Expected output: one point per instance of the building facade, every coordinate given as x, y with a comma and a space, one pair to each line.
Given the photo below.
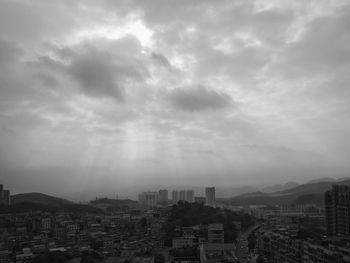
210, 196
5, 198
337, 210
183, 195
149, 198
163, 195
215, 233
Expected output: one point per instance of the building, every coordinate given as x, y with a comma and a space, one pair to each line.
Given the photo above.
281, 245
1, 193
46, 223
210, 253
328, 253
215, 233
163, 195
175, 196
4, 196
149, 198
189, 196
183, 195
210, 196
182, 242
337, 210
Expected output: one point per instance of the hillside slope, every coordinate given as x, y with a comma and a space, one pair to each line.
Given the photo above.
39, 199
301, 194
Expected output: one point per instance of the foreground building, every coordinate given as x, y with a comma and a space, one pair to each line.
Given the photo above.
4, 196
210, 253
337, 210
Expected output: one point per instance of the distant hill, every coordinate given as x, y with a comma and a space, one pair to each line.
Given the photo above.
279, 187
29, 202
328, 179
317, 199
233, 191
313, 188
301, 194
323, 179
39, 198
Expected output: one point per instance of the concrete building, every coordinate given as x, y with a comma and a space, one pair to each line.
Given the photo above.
163, 195
189, 196
183, 195
149, 198
182, 242
4, 196
281, 245
337, 210
1, 193
329, 253
210, 196
175, 196
45, 223
215, 233
213, 253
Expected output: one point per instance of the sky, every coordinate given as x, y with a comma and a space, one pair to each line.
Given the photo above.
100, 96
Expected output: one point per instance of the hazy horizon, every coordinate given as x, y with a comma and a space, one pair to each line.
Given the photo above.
131, 192
103, 95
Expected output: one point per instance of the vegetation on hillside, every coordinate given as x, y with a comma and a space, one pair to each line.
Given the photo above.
190, 214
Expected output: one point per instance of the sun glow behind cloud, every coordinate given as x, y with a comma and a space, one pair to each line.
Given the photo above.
114, 30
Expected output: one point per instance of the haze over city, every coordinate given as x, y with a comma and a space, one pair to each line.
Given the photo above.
106, 97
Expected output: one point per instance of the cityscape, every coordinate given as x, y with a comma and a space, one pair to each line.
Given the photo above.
174, 131
184, 228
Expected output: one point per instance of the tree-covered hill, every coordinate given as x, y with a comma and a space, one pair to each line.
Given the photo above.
190, 214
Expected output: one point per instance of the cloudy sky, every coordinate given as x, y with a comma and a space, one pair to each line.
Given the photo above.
104, 95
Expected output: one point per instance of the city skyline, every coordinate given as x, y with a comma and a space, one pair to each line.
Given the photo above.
116, 96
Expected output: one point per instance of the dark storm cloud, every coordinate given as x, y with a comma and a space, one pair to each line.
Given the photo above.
99, 71
199, 98
101, 74
97, 75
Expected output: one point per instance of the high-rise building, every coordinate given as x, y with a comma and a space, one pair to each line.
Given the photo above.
215, 233
1, 193
175, 196
210, 196
189, 196
149, 198
183, 195
6, 197
337, 209
163, 195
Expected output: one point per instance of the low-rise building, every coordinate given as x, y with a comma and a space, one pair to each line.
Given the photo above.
215, 252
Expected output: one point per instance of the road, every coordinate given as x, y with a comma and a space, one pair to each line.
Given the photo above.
242, 250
